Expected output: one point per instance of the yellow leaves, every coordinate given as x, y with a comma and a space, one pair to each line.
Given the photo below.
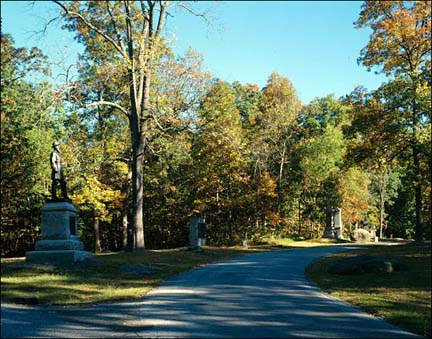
401, 34
353, 188
98, 198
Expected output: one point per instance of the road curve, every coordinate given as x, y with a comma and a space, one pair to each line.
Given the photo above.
259, 296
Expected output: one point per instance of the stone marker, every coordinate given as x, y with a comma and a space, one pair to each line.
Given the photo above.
329, 232
59, 242
196, 234
338, 226
335, 231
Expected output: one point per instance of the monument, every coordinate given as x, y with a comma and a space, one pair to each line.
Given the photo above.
196, 234
338, 226
335, 230
59, 242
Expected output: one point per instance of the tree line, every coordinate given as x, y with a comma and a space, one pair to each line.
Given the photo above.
150, 139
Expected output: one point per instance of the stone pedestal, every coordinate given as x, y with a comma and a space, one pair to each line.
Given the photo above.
335, 231
196, 234
338, 223
59, 242
329, 232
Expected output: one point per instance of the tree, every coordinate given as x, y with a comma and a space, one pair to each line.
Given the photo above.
124, 39
384, 184
218, 151
100, 200
400, 43
353, 189
321, 149
272, 129
27, 131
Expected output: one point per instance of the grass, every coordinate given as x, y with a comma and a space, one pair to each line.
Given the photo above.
402, 297
288, 242
106, 279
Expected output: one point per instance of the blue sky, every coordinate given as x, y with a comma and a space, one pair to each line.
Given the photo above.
313, 43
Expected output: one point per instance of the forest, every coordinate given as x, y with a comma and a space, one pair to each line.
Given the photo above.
150, 139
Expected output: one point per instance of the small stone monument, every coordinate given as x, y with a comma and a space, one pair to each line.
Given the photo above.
329, 231
59, 242
338, 226
196, 234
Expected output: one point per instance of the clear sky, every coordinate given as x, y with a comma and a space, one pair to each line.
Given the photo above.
313, 43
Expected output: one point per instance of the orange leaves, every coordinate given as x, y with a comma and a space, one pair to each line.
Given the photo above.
353, 188
400, 41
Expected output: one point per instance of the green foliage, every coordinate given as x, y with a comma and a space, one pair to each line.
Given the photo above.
26, 136
323, 155
400, 109
142, 124
356, 203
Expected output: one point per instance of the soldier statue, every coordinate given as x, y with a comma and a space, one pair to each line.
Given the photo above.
57, 173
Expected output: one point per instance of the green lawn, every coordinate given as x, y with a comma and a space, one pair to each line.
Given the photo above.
106, 280
402, 298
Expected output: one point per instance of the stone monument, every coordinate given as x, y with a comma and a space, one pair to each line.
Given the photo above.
335, 230
338, 226
196, 234
59, 242
329, 232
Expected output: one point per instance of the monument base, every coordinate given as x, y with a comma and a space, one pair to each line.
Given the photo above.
59, 244
57, 257
329, 233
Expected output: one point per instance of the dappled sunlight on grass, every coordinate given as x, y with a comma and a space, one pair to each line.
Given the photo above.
401, 297
105, 280
288, 242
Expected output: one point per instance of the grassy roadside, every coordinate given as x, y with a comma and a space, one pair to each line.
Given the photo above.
402, 298
116, 276
113, 276
291, 243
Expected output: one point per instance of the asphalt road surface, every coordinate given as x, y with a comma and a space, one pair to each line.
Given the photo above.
259, 296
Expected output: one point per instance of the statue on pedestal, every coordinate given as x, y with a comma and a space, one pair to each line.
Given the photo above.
59, 242
57, 174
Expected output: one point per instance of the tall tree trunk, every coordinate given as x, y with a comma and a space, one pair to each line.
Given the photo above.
124, 243
418, 230
382, 194
138, 193
279, 184
329, 208
97, 242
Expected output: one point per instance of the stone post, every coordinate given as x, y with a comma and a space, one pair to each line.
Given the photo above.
329, 231
338, 226
196, 234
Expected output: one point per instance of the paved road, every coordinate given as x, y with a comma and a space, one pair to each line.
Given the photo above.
259, 296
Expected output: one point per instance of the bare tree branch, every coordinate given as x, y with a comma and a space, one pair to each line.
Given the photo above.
109, 103
92, 27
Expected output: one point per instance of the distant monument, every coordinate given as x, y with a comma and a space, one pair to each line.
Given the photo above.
59, 242
196, 234
335, 231
338, 226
